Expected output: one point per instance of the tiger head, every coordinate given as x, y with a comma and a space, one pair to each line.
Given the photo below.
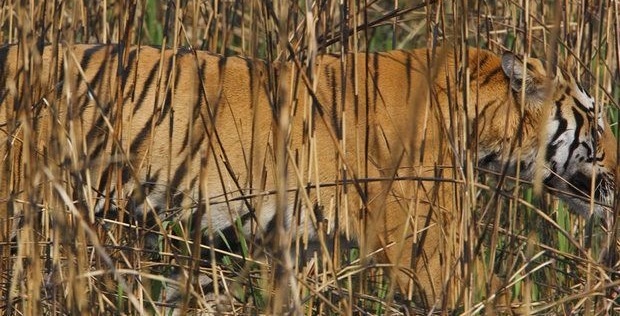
577, 151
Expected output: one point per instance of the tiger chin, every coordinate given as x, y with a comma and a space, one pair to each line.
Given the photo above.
372, 147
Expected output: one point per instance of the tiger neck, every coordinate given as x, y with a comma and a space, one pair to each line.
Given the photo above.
507, 141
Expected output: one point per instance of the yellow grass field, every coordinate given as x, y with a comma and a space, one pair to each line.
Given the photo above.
58, 256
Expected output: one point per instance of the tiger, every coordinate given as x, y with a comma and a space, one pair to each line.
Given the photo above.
365, 146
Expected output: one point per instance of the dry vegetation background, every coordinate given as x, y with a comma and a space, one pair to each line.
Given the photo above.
64, 260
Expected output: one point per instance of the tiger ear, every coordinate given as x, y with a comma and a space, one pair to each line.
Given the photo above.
513, 68
533, 79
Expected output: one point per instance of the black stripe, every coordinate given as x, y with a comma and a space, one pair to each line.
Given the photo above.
549, 180
408, 65
131, 59
85, 63
151, 180
550, 152
331, 76
179, 174
221, 66
271, 225
99, 127
192, 183
102, 67
250, 67
581, 106
4, 54
197, 142
196, 124
530, 67
98, 148
575, 143
146, 87
589, 151
563, 123
126, 173
103, 182
90, 52
167, 102
352, 74
179, 69
584, 91
487, 105
198, 121
141, 137
490, 76
374, 81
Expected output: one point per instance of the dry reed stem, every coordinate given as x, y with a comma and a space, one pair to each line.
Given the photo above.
63, 260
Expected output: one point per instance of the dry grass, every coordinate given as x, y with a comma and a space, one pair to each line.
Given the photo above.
66, 260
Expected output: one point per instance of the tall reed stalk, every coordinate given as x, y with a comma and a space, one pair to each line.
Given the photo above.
57, 257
